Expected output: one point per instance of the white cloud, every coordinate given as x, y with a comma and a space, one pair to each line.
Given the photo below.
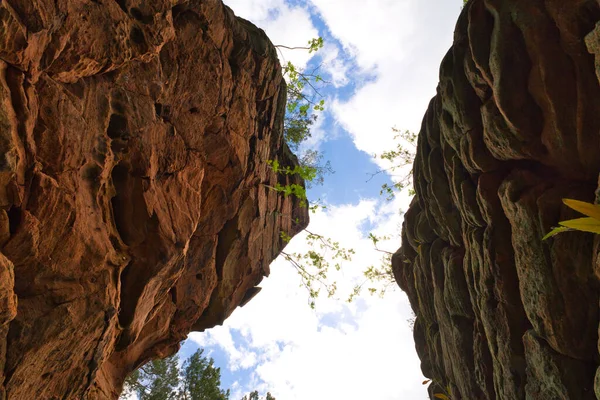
370, 31
284, 24
364, 349
336, 69
350, 351
402, 43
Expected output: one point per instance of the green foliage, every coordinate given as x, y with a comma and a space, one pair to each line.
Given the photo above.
589, 224
314, 265
201, 380
380, 276
156, 380
163, 380
312, 160
293, 189
402, 156
254, 396
304, 101
198, 379
315, 44
305, 172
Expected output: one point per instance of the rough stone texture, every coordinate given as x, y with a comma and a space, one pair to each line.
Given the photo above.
513, 129
134, 137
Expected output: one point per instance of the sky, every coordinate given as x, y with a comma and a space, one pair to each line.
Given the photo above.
381, 58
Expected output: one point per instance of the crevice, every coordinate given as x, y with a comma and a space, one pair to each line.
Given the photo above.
251, 153
120, 178
135, 276
124, 317
117, 126
137, 36
163, 111
226, 237
95, 362
178, 9
15, 216
15, 80
15, 332
122, 4
137, 14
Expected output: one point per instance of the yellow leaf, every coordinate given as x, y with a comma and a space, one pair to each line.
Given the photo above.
583, 224
555, 231
441, 396
589, 209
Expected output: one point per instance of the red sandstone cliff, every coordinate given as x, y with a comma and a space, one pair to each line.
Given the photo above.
134, 137
514, 128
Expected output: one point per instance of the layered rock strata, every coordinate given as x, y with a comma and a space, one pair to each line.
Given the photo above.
134, 189
513, 129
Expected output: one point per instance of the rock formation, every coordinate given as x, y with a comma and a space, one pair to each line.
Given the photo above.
513, 129
134, 137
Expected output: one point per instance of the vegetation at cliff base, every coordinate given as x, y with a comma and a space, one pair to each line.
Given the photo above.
163, 379
196, 379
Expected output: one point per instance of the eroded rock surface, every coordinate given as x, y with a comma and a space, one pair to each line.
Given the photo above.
514, 128
134, 137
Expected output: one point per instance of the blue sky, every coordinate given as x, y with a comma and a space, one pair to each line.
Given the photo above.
382, 57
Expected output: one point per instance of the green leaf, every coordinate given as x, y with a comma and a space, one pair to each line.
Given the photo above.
285, 237
275, 165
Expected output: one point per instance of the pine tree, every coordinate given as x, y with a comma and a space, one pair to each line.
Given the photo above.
164, 380
254, 396
156, 380
201, 380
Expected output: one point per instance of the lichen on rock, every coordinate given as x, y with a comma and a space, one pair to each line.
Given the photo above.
513, 129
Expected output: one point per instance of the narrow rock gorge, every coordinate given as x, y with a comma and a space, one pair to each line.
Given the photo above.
134, 138
514, 128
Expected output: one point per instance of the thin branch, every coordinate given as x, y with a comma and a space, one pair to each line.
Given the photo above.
392, 168
292, 48
300, 94
321, 238
310, 84
383, 251
304, 272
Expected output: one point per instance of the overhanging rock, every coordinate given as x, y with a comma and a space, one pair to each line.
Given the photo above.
134, 138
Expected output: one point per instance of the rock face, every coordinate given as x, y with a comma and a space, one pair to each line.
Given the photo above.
513, 129
134, 137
